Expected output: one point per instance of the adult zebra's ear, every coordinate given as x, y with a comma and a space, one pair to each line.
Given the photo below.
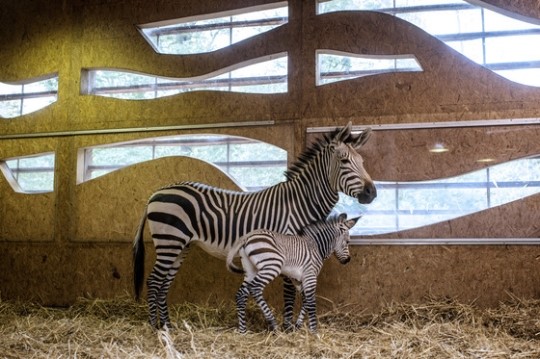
362, 138
344, 134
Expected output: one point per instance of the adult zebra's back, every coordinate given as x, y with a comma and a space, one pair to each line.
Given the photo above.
186, 213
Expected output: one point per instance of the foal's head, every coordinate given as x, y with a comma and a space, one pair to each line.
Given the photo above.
342, 239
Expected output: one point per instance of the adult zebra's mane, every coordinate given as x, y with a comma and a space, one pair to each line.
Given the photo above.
312, 152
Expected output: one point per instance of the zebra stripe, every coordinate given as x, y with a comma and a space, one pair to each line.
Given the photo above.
189, 212
267, 254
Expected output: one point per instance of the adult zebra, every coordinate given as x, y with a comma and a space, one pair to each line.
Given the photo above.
186, 213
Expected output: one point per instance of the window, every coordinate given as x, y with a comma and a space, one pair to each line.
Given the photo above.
501, 43
263, 75
17, 99
333, 66
200, 34
253, 164
425, 176
30, 174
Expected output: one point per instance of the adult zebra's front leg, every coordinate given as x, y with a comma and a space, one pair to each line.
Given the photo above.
159, 282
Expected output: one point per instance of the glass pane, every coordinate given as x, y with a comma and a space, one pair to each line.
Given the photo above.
120, 156
530, 77
340, 5
512, 48
36, 181
333, 67
446, 22
32, 162
33, 173
10, 109
7, 89
34, 104
498, 22
207, 35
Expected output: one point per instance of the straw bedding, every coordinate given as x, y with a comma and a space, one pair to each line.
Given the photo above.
118, 329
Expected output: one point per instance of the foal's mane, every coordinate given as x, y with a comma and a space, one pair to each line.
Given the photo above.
317, 226
312, 152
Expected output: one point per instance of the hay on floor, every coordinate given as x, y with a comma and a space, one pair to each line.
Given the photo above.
119, 329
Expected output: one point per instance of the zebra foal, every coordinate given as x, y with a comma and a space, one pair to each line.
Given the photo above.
266, 254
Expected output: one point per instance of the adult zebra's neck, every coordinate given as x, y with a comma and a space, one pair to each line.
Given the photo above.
310, 188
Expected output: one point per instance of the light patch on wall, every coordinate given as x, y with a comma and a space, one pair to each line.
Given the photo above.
333, 66
24, 97
253, 164
265, 75
30, 174
211, 32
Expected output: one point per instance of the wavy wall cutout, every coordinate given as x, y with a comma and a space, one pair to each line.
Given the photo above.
334, 66
24, 97
265, 75
503, 42
30, 174
402, 206
212, 32
251, 163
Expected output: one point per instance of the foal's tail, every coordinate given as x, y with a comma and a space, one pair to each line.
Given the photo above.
233, 253
138, 257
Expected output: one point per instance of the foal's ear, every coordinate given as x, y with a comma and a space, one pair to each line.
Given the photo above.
362, 138
351, 222
344, 133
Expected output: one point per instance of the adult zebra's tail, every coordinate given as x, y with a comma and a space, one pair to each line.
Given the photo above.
138, 257
233, 252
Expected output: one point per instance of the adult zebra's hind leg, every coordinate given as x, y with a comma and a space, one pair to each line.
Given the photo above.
241, 299
167, 265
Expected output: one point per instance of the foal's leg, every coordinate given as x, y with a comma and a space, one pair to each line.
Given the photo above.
256, 288
309, 302
289, 296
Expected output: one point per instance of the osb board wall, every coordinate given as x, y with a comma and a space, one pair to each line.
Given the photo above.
57, 274
41, 37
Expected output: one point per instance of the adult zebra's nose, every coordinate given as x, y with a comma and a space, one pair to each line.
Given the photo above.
368, 194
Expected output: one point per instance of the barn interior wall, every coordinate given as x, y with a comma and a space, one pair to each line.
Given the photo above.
76, 241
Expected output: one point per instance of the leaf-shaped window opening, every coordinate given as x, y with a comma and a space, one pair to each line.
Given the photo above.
333, 66
503, 42
211, 32
30, 174
253, 164
264, 75
21, 98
